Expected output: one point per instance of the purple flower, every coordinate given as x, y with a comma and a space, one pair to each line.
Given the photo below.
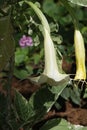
25, 41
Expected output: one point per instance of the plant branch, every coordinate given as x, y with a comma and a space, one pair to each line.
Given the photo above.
72, 13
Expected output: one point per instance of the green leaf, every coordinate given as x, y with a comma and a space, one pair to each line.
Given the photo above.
66, 93
57, 38
43, 99
55, 124
15, 125
21, 74
51, 9
85, 93
22, 107
6, 42
39, 103
40, 15
61, 124
21, 55
36, 58
79, 2
75, 95
36, 40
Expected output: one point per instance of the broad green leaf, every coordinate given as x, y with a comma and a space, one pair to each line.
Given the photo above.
75, 95
15, 125
79, 2
21, 74
55, 124
72, 93
40, 15
6, 42
66, 93
61, 124
21, 105
43, 99
51, 9
36, 58
15, 122
39, 103
21, 55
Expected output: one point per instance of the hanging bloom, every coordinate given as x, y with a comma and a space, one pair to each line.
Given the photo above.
80, 55
25, 41
51, 70
51, 74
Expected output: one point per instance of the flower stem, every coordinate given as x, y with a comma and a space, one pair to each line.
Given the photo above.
40, 15
72, 13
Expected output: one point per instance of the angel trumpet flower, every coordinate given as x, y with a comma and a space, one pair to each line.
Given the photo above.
51, 69
80, 55
51, 73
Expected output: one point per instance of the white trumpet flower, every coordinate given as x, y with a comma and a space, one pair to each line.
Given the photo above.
80, 55
51, 69
51, 74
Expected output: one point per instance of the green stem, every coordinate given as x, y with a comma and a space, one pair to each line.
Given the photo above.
40, 15
72, 13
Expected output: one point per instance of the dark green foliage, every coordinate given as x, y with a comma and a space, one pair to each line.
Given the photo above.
6, 42
72, 93
4, 122
79, 2
22, 107
32, 111
60, 124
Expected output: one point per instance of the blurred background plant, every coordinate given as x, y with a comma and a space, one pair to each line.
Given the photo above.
29, 60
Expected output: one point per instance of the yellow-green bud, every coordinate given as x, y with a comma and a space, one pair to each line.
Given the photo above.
80, 56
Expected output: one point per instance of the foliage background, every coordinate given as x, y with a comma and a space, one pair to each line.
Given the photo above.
31, 60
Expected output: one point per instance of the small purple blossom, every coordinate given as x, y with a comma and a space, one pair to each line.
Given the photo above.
25, 41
